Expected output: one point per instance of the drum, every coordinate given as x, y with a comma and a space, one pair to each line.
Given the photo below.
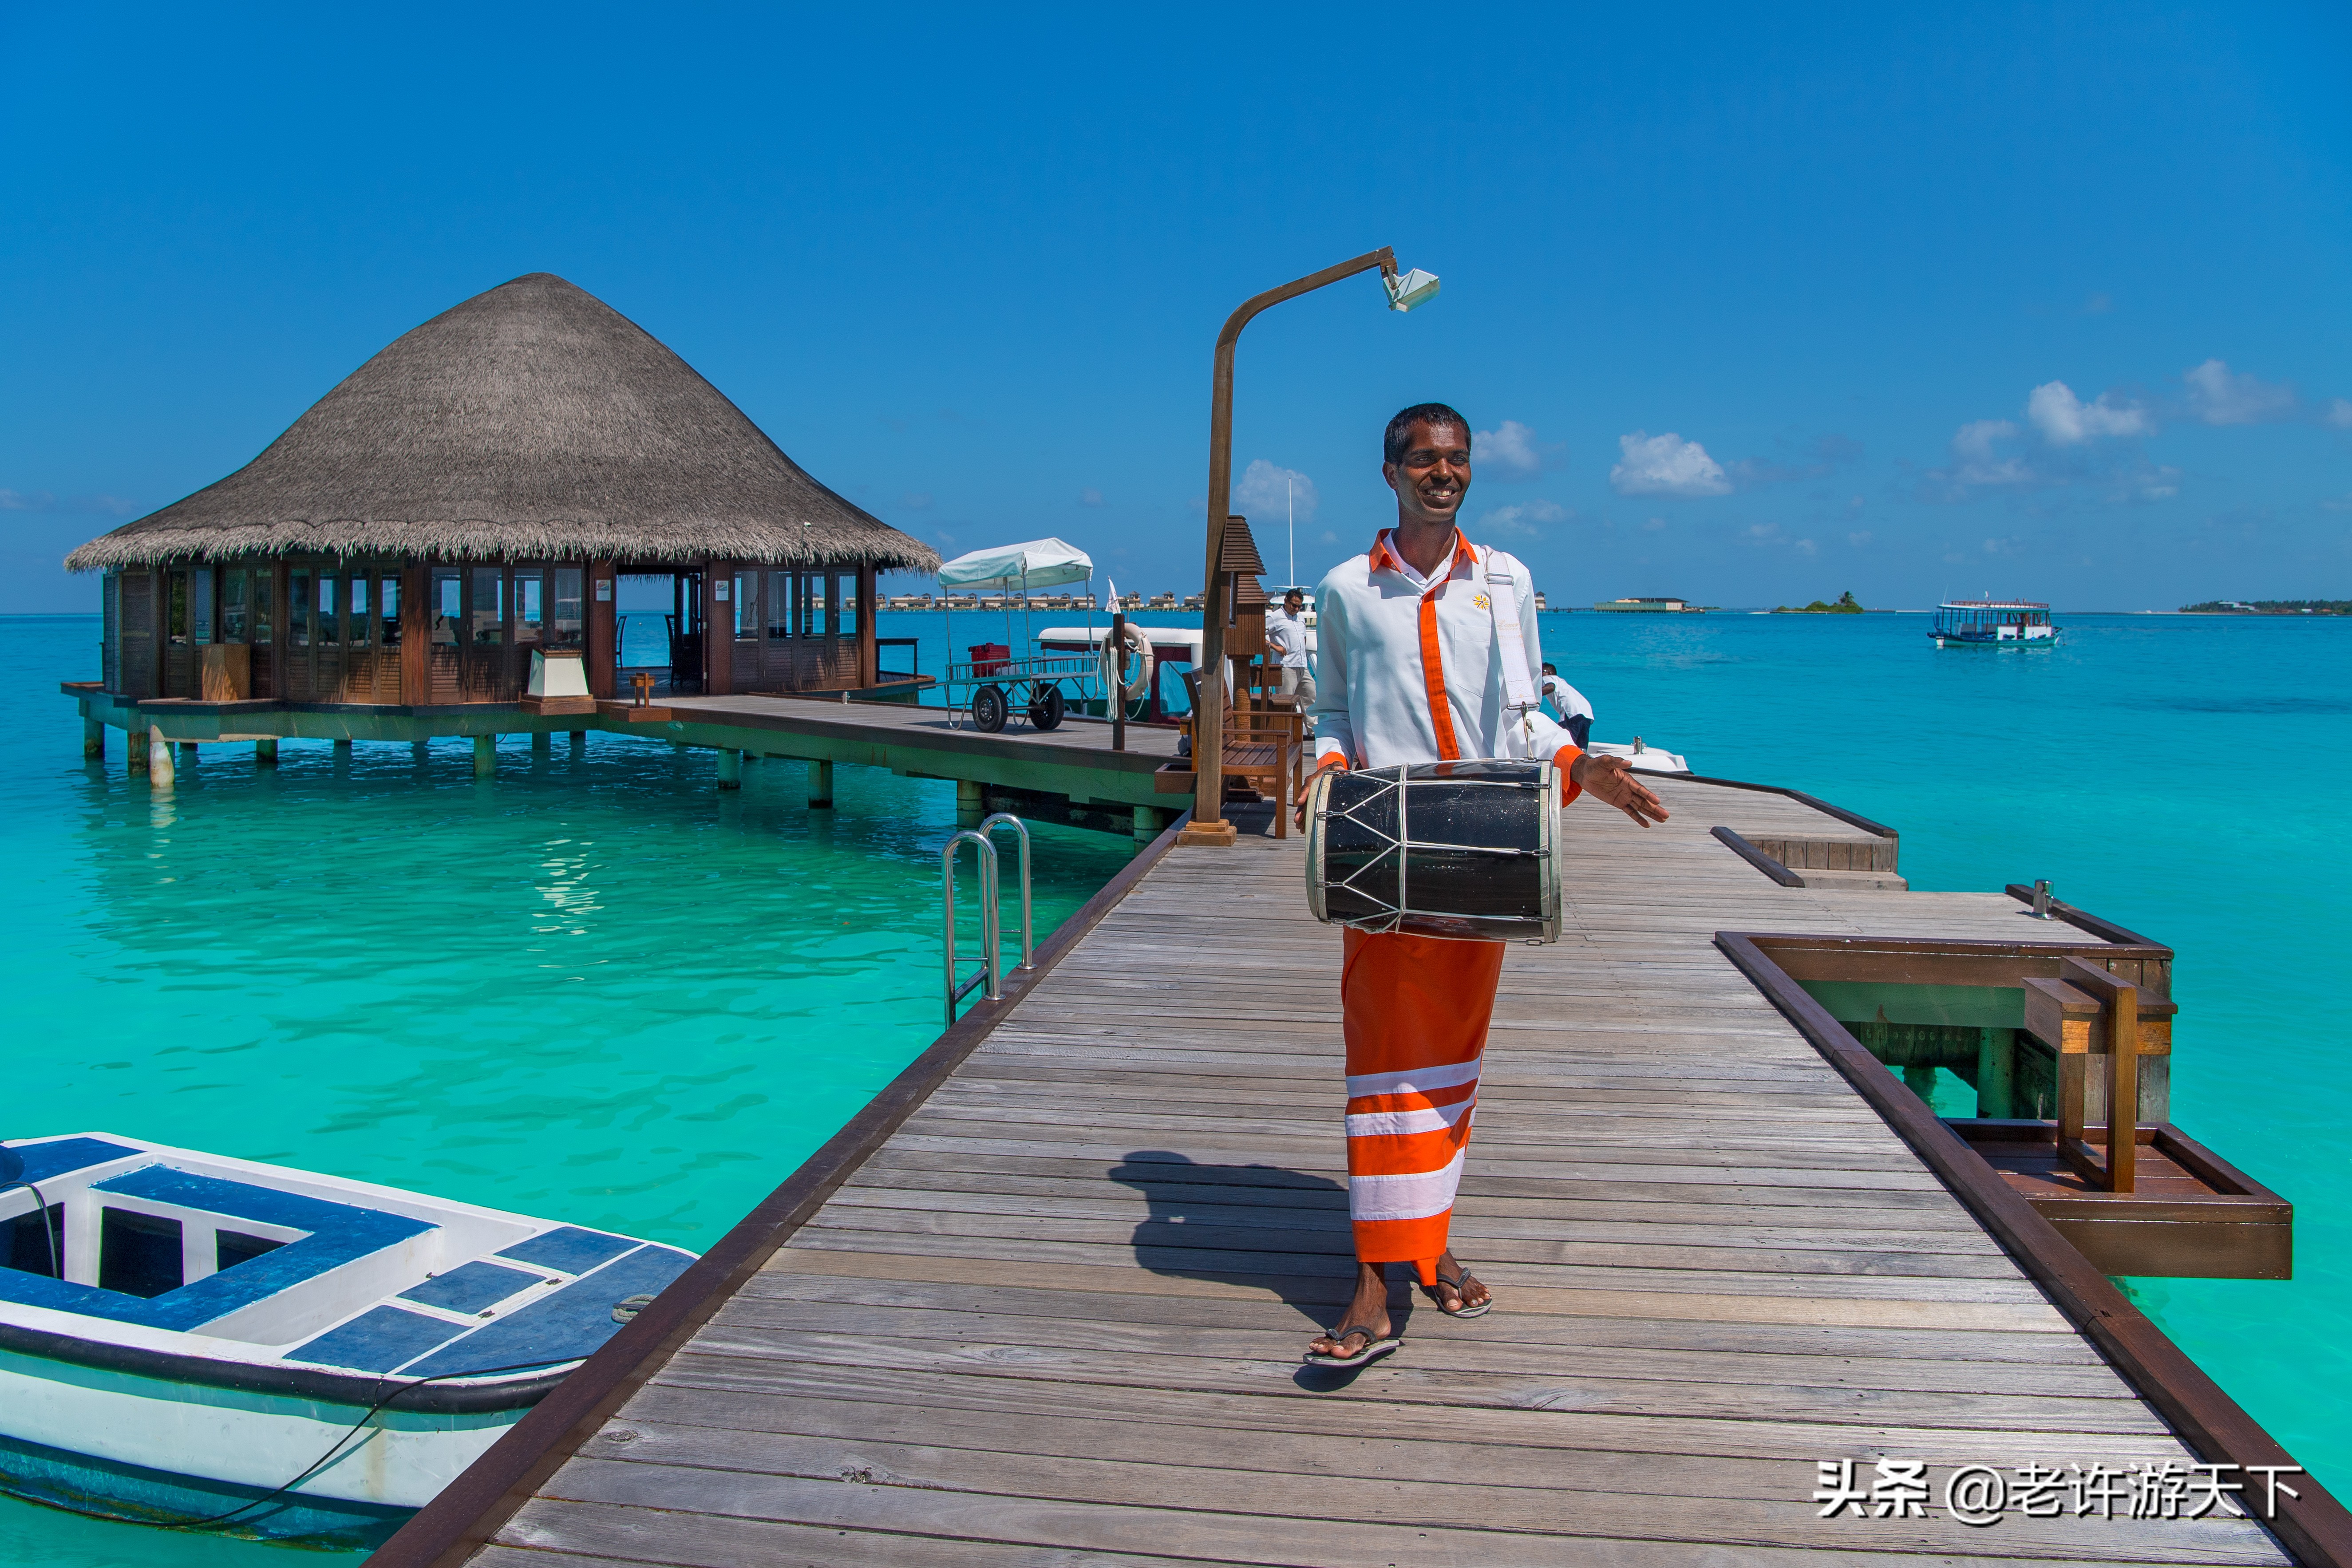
1453, 849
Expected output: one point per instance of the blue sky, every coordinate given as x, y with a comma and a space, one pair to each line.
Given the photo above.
2046, 301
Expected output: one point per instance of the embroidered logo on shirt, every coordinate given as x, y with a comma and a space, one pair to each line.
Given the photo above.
1482, 602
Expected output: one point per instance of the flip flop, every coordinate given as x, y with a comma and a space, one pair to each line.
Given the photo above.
1374, 1348
1480, 1310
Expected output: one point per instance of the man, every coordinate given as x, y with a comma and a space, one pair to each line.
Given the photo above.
1285, 633
1412, 673
1574, 710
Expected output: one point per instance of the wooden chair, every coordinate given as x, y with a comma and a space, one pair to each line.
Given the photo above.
1264, 747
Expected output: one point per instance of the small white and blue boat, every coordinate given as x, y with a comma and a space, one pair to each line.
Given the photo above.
188, 1339
1993, 623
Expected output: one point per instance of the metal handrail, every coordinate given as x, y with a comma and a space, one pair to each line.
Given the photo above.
992, 963
987, 824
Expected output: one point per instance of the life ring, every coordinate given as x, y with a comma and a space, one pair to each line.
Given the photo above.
1138, 647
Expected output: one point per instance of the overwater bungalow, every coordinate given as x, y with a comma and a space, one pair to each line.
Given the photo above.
448, 526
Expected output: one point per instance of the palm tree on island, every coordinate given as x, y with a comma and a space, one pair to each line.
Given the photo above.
1846, 605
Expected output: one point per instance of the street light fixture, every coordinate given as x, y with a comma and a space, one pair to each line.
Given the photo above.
1405, 292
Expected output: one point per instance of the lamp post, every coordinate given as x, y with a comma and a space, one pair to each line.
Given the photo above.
1208, 824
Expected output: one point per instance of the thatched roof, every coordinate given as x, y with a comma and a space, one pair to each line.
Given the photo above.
531, 421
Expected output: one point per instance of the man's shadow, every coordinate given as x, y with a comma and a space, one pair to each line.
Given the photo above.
1261, 1225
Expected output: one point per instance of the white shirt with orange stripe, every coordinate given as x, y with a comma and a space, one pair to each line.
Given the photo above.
1411, 672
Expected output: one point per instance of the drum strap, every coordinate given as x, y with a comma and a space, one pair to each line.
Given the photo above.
1519, 693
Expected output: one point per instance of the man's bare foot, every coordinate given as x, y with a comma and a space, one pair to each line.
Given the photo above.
1367, 1309
1470, 1297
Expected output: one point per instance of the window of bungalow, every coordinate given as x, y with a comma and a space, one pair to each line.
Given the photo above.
265, 584
331, 627
297, 607
449, 605
530, 604
566, 626
780, 606
236, 582
489, 606
832, 606
387, 609
175, 607
200, 604
855, 608
356, 626
747, 606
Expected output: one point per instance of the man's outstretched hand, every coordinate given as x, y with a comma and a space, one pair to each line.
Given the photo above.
1611, 780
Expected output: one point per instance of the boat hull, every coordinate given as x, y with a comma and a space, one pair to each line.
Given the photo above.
75, 1433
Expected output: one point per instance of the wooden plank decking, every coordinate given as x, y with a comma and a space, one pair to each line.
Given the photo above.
1057, 1317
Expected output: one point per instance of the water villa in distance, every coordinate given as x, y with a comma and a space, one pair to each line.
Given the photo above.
1654, 606
446, 527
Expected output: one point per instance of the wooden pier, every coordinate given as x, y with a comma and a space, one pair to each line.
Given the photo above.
1070, 775
1043, 1302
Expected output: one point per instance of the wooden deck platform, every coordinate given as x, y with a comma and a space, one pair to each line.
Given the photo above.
1054, 1315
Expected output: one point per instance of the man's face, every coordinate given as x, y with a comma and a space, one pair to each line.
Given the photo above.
1432, 477
1293, 603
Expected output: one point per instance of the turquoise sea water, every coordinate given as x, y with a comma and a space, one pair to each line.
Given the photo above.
593, 988
597, 989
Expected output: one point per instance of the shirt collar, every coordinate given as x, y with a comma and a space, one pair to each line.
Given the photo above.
1383, 556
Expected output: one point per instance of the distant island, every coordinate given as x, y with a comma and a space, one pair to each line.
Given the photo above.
1845, 606
2269, 607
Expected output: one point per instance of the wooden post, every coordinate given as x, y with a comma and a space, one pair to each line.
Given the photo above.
1118, 691
1147, 824
869, 661
730, 768
1996, 1073
972, 803
134, 752
343, 751
2119, 1021
485, 755
603, 651
719, 629
415, 633
158, 758
1920, 1081
93, 740
541, 743
264, 753
579, 738
820, 786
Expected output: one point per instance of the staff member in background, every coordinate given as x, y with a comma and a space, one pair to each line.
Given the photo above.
1575, 712
1286, 630
1413, 673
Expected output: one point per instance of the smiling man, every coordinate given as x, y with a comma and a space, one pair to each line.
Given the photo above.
1410, 673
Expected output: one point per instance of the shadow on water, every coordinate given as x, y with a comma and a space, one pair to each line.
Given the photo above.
1262, 1226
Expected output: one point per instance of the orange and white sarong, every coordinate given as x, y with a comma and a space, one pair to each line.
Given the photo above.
1416, 1010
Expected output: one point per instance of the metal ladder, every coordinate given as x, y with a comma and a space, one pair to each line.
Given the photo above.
990, 971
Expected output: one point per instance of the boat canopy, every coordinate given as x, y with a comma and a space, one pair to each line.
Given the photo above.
1038, 563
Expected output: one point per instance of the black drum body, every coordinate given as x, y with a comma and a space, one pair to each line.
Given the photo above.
1462, 849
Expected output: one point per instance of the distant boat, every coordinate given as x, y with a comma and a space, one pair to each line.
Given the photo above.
278, 1353
1993, 623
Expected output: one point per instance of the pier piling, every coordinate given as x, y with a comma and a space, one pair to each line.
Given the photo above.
485, 755
93, 740
135, 753
820, 783
972, 803
541, 743
264, 753
160, 773
730, 768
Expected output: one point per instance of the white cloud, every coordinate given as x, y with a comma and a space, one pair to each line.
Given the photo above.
42, 501
2338, 413
2218, 397
915, 501
1090, 496
2337, 503
1655, 525
1513, 449
1974, 462
1807, 547
2065, 420
1522, 519
1269, 493
1666, 466
1329, 537
1859, 538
